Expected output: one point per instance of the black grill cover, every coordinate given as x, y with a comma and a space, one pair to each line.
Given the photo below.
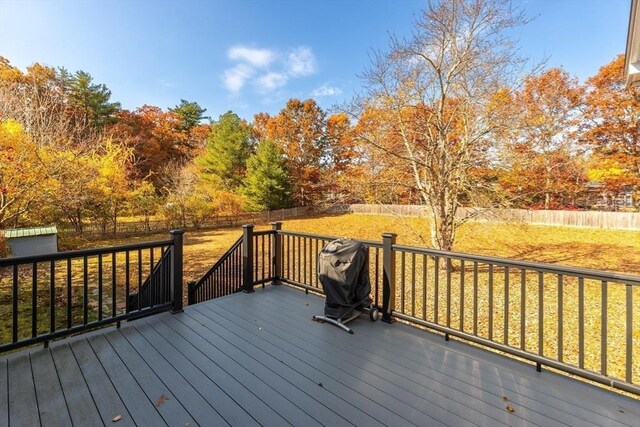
343, 269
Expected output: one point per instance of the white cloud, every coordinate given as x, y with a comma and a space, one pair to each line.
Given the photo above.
235, 78
301, 62
255, 57
271, 81
266, 70
326, 90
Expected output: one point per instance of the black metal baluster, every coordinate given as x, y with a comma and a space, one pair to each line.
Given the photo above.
505, 337
52, 296
461, 295
449, 265
127, 281
413, 284
490, 301
581, 322
523, 308
99, 287
629, 334
85, 291
436, 289
69, 295
424, 287
304, 261
540, 313
150, 289
604, 334
14, 303
34, 300
475, 298
402, 282
139, 277
560, 317
113, 284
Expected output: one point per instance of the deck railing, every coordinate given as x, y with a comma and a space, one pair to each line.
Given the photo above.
46, 297
584, 322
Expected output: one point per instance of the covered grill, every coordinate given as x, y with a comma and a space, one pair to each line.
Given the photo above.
343, 270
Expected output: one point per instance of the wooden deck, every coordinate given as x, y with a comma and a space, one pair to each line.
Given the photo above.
258, 359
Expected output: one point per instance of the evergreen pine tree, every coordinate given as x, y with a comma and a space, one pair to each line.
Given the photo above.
226, 151
267, 185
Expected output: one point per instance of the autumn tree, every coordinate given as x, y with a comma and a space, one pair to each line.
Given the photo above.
145, 201
267, 185
299, 131
23, 178
227, 148
542, 160
155, 139
611, 126
435, 90
90, 102
191, 114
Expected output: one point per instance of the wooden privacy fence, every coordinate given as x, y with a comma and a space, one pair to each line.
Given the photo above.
594, 219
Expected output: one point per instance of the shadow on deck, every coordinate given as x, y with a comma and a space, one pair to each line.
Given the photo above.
258, 359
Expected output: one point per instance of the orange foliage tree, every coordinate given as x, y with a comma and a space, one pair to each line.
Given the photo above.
611, 126
543, 165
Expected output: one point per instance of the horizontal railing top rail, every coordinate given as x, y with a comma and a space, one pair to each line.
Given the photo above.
4, 262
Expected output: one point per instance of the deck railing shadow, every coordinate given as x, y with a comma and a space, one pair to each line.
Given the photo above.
580, 321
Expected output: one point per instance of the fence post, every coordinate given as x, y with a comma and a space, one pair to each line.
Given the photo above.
276, 252
247, 258
388, 276
176, 271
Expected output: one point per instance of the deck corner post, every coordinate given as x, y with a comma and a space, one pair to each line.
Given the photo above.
247, 258
276, 252
176, 270
388, 276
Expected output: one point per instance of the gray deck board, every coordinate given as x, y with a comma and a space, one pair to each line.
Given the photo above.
309, 337
504, 376
486, 398
140, 407
229, 409
79, 399
104, 394
51, 403
314, 413
258, 359
397, 401
202, 411
23, 406
4, 394
157, 392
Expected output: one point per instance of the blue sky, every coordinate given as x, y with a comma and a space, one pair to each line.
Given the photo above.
251, 56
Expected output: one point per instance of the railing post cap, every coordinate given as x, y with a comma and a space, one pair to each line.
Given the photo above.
389, 235
276, 223
177, 232
247, 226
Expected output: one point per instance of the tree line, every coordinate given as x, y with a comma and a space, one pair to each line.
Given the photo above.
447, 118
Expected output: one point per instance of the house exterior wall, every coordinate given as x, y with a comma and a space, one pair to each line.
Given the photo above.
35, 245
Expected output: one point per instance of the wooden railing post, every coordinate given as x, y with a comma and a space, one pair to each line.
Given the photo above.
388, 276
247, 258
176, 271
276, 252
